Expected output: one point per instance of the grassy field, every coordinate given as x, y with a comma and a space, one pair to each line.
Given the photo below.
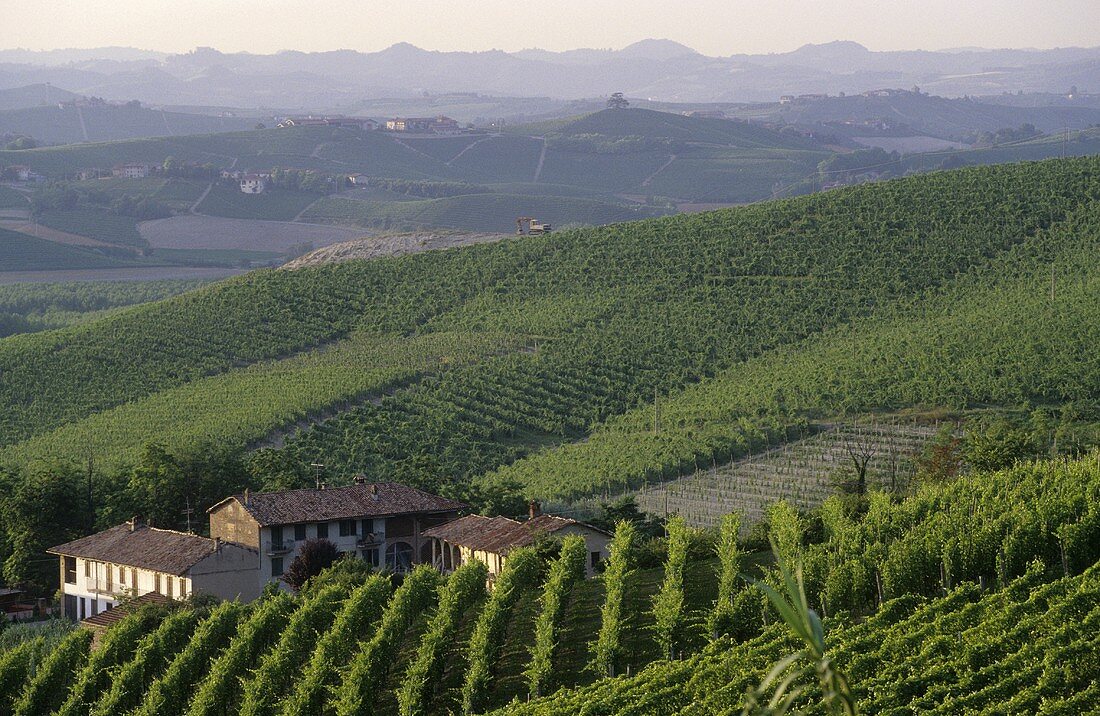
12, 199
473, 212
96, 224
19, 252
273, 204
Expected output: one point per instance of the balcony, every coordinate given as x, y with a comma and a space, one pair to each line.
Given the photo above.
277, 548
371, 539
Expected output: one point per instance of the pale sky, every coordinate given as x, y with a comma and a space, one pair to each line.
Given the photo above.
713, 27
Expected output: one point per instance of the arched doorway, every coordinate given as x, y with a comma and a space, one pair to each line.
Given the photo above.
399, 556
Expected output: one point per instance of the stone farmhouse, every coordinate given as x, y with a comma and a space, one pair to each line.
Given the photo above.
490, 539
381, 522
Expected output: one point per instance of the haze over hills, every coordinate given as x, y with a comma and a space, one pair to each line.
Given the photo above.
657, 69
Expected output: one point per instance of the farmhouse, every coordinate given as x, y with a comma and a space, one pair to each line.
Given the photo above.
490, 539
133, 559
131, 171
425, 125
382, 522
253, 183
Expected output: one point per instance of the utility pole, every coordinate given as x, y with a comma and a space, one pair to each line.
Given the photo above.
187, 512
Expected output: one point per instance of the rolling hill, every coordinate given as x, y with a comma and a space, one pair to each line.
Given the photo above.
54, 124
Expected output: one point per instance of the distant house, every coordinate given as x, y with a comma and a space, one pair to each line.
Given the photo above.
381, 522
253, 183
19, 172
14, 607
358, 179
786, 99
133, 559
424, 125
491, 539
234, 174
131, 171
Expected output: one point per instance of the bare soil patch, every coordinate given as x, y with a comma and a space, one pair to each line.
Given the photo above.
393, 245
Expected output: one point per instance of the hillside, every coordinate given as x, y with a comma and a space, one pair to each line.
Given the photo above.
530, 365
53, 124
33, 96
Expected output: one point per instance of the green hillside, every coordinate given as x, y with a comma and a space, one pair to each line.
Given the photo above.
579, 330
20, 252
53, 124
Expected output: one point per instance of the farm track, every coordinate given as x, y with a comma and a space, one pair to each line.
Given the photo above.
648, 179
465, 149
57, 236
542, 159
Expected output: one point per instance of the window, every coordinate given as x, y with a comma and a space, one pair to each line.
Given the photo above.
276, 566
322, 530
70, 570
87, 569
276, 537
122, 576
370, 556
299, 533
595, 557
156, 583
168, 587
368, 527
183, 587
399, 556
347, 528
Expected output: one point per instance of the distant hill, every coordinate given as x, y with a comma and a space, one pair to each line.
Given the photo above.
33, 96
901, 112
656, 69
52, 124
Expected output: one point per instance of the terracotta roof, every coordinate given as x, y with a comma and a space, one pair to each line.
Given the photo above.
111, 616
141, 546
500, 535
379, 499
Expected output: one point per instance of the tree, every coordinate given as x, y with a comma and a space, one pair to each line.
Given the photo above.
314, 556
617, 101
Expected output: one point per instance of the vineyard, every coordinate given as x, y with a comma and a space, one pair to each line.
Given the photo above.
1004, 560
802, 472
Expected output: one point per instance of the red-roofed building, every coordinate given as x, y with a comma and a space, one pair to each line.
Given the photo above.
381, 522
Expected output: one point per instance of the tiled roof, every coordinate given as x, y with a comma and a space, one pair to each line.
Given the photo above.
379, 499
141, 546
111, 616
500, 535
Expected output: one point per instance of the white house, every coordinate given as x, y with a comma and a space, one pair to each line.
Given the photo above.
381, 522
253, 184
490, 539
131, 171
134, 559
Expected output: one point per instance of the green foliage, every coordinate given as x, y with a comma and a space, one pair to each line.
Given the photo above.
464, 590
521, 570
21, 252
365, 676
721, 620
170, 692
154, 652
46, 689
219, 692
668, 606
17, 665
615, 616
565, 572
353, 626
115, 649
275, 674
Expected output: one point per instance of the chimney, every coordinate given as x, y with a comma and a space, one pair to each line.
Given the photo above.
247, 495
135, 522
374, 490
533, 509
359, 479
217, 545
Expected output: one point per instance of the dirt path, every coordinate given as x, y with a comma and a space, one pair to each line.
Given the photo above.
195, 207
83, 127
542, 158
414, 149
164, 116
306, 208
660, 169
465, 149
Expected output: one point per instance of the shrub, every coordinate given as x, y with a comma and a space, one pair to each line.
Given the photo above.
668, 605
47, 688
566, 570
609, 643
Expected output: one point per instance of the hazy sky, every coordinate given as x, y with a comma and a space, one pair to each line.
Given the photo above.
714, 27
